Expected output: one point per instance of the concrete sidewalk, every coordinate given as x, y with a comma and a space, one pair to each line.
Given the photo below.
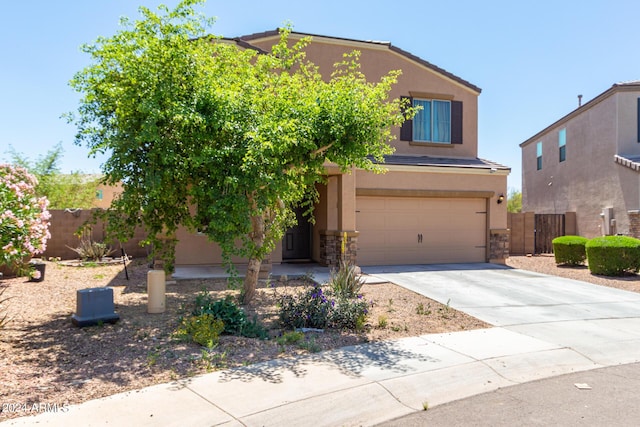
359, 385
546, 327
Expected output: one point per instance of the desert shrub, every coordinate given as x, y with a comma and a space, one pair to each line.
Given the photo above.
308, 309
313, 308
613, 255
346, 281
203, 329
290, 338
234, 318
349, 313
90, 250
570, 249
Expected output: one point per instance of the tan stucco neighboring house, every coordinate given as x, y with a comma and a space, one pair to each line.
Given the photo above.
105, 194
437, 203
588, 162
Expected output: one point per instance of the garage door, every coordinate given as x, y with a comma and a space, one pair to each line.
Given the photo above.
409, 230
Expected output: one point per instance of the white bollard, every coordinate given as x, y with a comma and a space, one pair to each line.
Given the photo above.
156, 287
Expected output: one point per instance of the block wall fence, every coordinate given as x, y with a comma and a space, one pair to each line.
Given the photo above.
65, 224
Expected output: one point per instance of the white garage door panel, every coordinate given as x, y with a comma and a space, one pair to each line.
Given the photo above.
453, 230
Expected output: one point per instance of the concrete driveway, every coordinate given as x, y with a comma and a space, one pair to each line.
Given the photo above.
597, 322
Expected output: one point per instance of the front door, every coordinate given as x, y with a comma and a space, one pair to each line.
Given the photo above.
296, 244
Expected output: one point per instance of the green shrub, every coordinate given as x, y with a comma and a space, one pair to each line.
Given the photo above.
314, 308
224, 309
349, 313
346, 281
234, 318
308, 309
570, 249
290, 338
613, 255
203, 329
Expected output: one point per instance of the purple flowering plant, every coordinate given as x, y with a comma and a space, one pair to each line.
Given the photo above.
315, 307
24, 218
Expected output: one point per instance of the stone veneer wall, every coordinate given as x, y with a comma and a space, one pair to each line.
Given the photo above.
331, 247
634, 223
498, 245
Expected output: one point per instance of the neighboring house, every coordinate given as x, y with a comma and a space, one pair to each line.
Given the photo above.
438, 202
105, 194
588, 162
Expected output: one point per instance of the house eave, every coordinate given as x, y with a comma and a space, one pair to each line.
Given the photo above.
369, 44
631, 163
459, 170
618, 87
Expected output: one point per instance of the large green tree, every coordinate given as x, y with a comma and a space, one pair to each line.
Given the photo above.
514, 200
225, 140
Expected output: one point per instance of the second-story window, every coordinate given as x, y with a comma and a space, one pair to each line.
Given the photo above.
433, 122
539, 155
562, 144
439, 121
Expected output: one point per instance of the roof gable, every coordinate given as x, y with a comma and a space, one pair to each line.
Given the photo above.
273, 34
633, 85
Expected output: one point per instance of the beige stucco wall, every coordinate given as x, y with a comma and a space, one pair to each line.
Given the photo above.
456, 180
109, 193
378, 60
196, 249
627, 108
589, 180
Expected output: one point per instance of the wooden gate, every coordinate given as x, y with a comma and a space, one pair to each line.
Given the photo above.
547, 228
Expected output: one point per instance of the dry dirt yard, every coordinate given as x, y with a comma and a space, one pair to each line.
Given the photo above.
45, 359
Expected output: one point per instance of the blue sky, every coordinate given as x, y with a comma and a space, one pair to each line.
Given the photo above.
531, 58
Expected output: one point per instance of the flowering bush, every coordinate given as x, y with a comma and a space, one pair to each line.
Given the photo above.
314, 308
24, 218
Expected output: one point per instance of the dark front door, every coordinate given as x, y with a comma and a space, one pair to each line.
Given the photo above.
297, 240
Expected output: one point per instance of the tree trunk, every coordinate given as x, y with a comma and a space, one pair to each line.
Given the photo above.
251, 279
253, 268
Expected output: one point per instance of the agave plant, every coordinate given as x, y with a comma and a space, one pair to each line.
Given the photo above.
89, 250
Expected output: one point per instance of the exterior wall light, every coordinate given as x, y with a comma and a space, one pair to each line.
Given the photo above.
500, 198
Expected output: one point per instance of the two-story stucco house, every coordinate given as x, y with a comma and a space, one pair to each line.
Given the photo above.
588, 162
437, 203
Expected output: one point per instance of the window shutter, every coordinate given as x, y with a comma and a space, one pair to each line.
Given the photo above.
406, 131
456, 122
